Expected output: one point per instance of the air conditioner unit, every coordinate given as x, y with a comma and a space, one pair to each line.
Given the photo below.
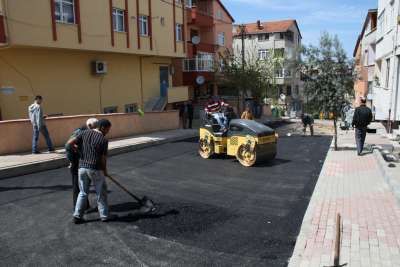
99, 67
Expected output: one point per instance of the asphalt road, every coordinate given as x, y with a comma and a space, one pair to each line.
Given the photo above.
211, 212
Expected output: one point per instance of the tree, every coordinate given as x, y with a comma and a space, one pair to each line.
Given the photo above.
255, 78
329, 80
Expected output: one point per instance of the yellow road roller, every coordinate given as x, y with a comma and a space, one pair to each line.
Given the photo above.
249, 141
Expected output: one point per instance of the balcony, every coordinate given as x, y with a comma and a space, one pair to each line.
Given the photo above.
202, 47
199, 17
198, 65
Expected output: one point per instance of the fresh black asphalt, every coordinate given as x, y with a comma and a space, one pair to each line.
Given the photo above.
210, 212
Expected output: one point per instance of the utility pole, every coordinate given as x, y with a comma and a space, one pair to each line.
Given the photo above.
242, 28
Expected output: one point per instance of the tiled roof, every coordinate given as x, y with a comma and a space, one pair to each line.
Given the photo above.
270, 26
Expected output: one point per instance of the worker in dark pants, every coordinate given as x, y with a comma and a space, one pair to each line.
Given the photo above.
73, 158
307, 120
190, 112
362, 118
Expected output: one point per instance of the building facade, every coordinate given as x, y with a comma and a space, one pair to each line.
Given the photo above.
276, 37
364, 59
386, 98
208, 35
84, 58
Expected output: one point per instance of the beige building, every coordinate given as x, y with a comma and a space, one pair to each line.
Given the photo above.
92, 56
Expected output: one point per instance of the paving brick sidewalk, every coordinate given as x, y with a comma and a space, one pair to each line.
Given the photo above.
12, 165
356, 188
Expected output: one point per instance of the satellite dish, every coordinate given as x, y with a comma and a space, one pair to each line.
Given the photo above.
282, 96
196, 40
200, 80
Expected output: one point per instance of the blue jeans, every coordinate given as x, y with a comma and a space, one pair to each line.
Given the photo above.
361, 134
98, 180
35, 138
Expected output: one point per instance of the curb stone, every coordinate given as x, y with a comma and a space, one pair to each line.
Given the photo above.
57, 163
389, 175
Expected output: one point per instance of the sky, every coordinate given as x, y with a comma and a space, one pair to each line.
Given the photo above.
342, 17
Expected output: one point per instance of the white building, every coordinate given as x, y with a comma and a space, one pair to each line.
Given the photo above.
386, 98
281, 37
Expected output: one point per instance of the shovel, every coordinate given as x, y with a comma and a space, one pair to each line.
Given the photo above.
146, 204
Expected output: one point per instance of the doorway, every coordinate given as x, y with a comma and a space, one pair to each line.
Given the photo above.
164, 81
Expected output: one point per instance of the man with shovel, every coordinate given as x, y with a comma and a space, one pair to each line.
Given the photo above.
92, 168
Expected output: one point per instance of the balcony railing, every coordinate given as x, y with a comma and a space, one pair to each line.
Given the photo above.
198, 65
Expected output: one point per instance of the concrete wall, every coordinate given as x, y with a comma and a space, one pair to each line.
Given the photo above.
64, 78
16, 136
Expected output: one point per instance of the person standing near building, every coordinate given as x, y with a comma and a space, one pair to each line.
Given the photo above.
362, 118
39, 125
93, 147
73, 157
307, 120
190, 111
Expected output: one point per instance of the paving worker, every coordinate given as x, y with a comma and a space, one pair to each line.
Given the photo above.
361, 119
93, 168
307, 120
73, 157
212, 106
247, 114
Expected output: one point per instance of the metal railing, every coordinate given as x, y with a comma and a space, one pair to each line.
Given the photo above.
197, 65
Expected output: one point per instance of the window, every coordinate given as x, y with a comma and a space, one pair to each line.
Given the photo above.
296, 90
179, 32
280, 36
144, 25
387, 73
108, 110
221, 38
288, 90
220, 15
381, 23
263, 54
279, 73
65, 11
263, 37
118, 20
289, 36
279, 52
130, 108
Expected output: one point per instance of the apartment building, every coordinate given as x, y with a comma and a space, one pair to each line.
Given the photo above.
386, 96
84, 57
364, 58
277, 37
208, 36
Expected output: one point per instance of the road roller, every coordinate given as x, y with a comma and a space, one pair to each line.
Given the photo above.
249, 141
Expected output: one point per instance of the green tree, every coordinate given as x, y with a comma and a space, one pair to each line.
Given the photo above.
329, 80
256, 77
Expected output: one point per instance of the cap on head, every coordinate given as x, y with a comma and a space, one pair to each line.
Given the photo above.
92, 123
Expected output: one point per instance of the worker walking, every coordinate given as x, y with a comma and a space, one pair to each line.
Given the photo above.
307, 120
362, 118
92, 168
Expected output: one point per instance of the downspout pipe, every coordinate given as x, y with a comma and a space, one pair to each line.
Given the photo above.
395, 83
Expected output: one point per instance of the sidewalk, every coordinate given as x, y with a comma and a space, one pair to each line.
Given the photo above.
21, 164
357, 188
